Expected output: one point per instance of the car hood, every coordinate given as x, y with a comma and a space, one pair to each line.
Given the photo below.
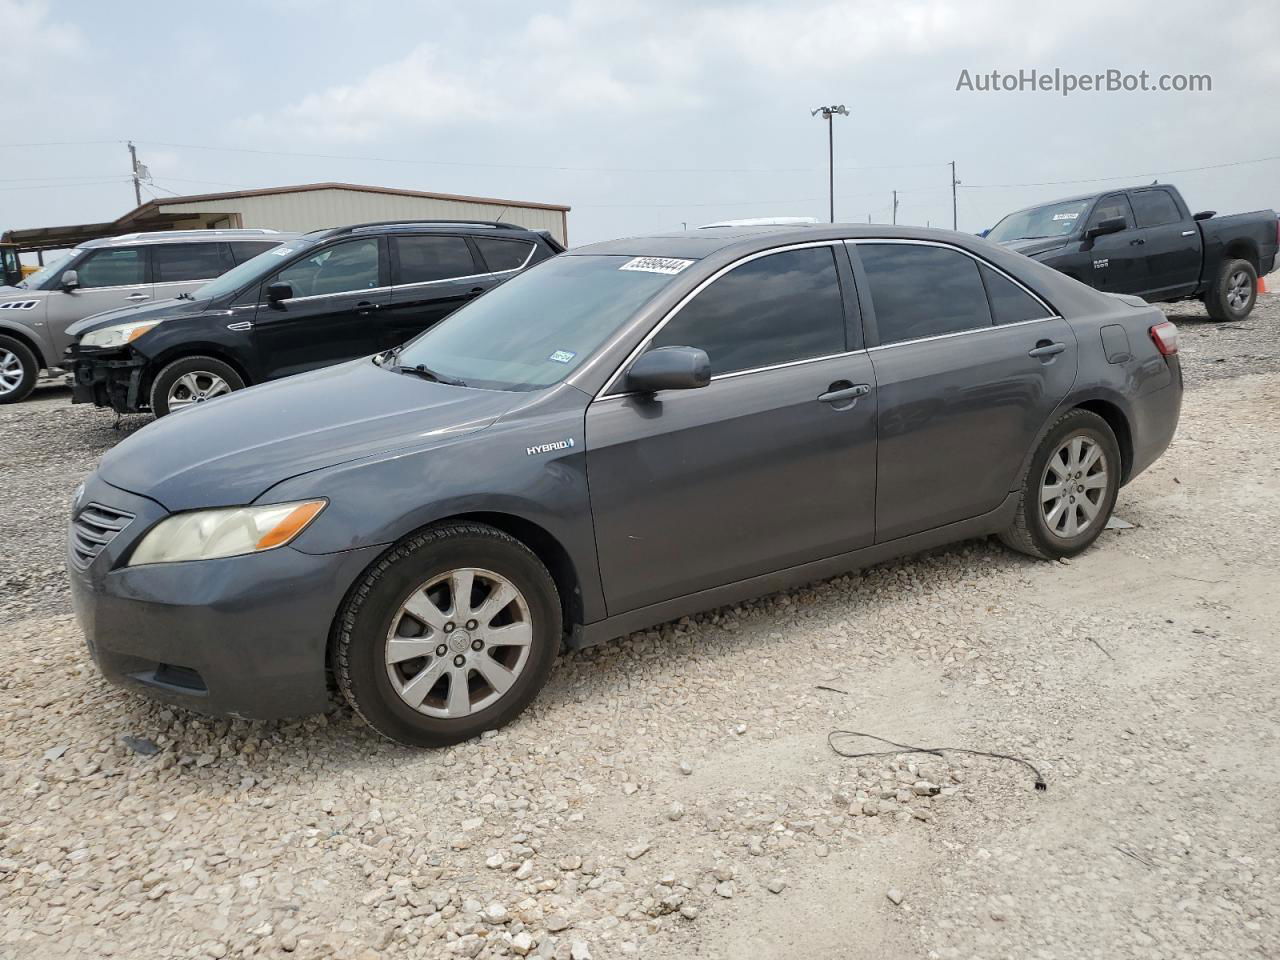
8, 294
1030, 246
233, 449
159, 310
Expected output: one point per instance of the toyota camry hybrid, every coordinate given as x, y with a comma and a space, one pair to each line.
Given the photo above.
624, 434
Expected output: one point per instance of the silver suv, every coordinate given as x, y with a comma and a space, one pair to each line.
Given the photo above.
105, 275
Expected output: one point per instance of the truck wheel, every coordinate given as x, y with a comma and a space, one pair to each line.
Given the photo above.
451, 633
192, 380
1234, 292
1069, 490
18, 370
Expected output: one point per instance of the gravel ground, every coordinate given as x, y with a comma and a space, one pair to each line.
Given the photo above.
673, 794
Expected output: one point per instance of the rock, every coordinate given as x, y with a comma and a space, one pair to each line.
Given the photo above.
143, 746
579, 951
895, 896
739, 729
496, 913
557, 922
725, 889
923, 788
776, 885
522, 943
638, 850
495, 861
525, 870
629, 788
675, 811
570, 863
686, 767
689, 911
54, 753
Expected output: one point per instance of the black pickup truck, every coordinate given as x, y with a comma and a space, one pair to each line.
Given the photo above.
1145, 241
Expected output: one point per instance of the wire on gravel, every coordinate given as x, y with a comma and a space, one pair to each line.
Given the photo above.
1040, 783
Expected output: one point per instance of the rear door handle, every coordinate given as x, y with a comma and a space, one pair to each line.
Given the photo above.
137, 296
1188, 233
1137, 243
845, 393
364, 308
477, 289
1046, 349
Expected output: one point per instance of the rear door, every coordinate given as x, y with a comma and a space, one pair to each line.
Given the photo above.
1172, 246
333, 315
109, 278
432, 276
756, 472
968, 365
1116, 262
185, 267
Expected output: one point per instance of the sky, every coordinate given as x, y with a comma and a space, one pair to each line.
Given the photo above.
641, 116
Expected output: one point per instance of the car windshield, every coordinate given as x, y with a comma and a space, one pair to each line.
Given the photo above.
54, 266
1051, 220
531, 331
251, 270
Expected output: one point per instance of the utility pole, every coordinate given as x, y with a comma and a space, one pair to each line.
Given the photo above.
827, 114
133, 162
954, 183
895, 206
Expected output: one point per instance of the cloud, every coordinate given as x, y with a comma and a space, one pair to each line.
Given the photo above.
32, 40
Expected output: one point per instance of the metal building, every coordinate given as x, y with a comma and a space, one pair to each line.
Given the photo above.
310, 206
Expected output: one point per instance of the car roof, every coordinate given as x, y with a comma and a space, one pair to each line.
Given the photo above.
699, 244
188, 236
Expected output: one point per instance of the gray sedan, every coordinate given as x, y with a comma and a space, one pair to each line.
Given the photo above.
625, 434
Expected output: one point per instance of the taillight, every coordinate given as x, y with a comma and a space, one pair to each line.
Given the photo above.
1165, 337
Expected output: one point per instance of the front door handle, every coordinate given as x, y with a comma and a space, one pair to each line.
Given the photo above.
1046, 349
841, 394
477, 289
1137, 243
365, 307
137, 296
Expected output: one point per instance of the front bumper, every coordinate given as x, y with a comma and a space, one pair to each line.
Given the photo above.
108, 378
239, 636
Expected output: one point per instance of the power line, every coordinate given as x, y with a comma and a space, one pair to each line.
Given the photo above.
64, 186
62, 143
1126, 176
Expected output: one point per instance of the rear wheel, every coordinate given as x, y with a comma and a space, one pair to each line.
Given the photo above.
1234, 292
18, 370
1070, 489
450, 634
192, 380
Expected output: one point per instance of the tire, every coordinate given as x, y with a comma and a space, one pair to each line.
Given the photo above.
376, 614
18, 370
1236, 283
1044, 534
197, 378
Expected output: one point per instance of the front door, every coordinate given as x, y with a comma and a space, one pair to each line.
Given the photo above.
432, 276
334, 313
969, 366
1172, 247
1115, 262
757, 472
108, 278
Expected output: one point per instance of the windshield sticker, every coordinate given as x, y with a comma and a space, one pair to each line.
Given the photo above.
667, 265
1065, 216
281, 251
562, 356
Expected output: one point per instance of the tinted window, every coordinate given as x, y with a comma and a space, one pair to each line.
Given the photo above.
112, 268
531, 331
922, 291
244, 250
336, 269
1051, 220
502, 255
1009, 302
778, 308
177, 262
1154, 207
433, 258
1108, 207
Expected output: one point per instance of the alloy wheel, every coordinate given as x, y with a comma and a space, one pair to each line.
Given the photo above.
1074, 487
196, 387
10, 371
1238, 290
458, 643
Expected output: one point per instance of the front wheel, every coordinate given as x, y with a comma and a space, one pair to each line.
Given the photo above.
192, 380
451, 633
1070, 489
18, 370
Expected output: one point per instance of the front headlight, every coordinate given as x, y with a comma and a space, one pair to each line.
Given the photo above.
206, 534
118, 335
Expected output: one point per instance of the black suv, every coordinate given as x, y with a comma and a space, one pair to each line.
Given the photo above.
319, 299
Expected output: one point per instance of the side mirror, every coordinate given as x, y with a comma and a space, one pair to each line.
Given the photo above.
669, 368
1204, 214
279, 291
1103, 227
69, 280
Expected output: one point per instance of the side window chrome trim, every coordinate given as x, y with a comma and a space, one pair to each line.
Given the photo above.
118, 286
428, 283
972, 256
605, 394
533, 248
961, 333
339, 293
